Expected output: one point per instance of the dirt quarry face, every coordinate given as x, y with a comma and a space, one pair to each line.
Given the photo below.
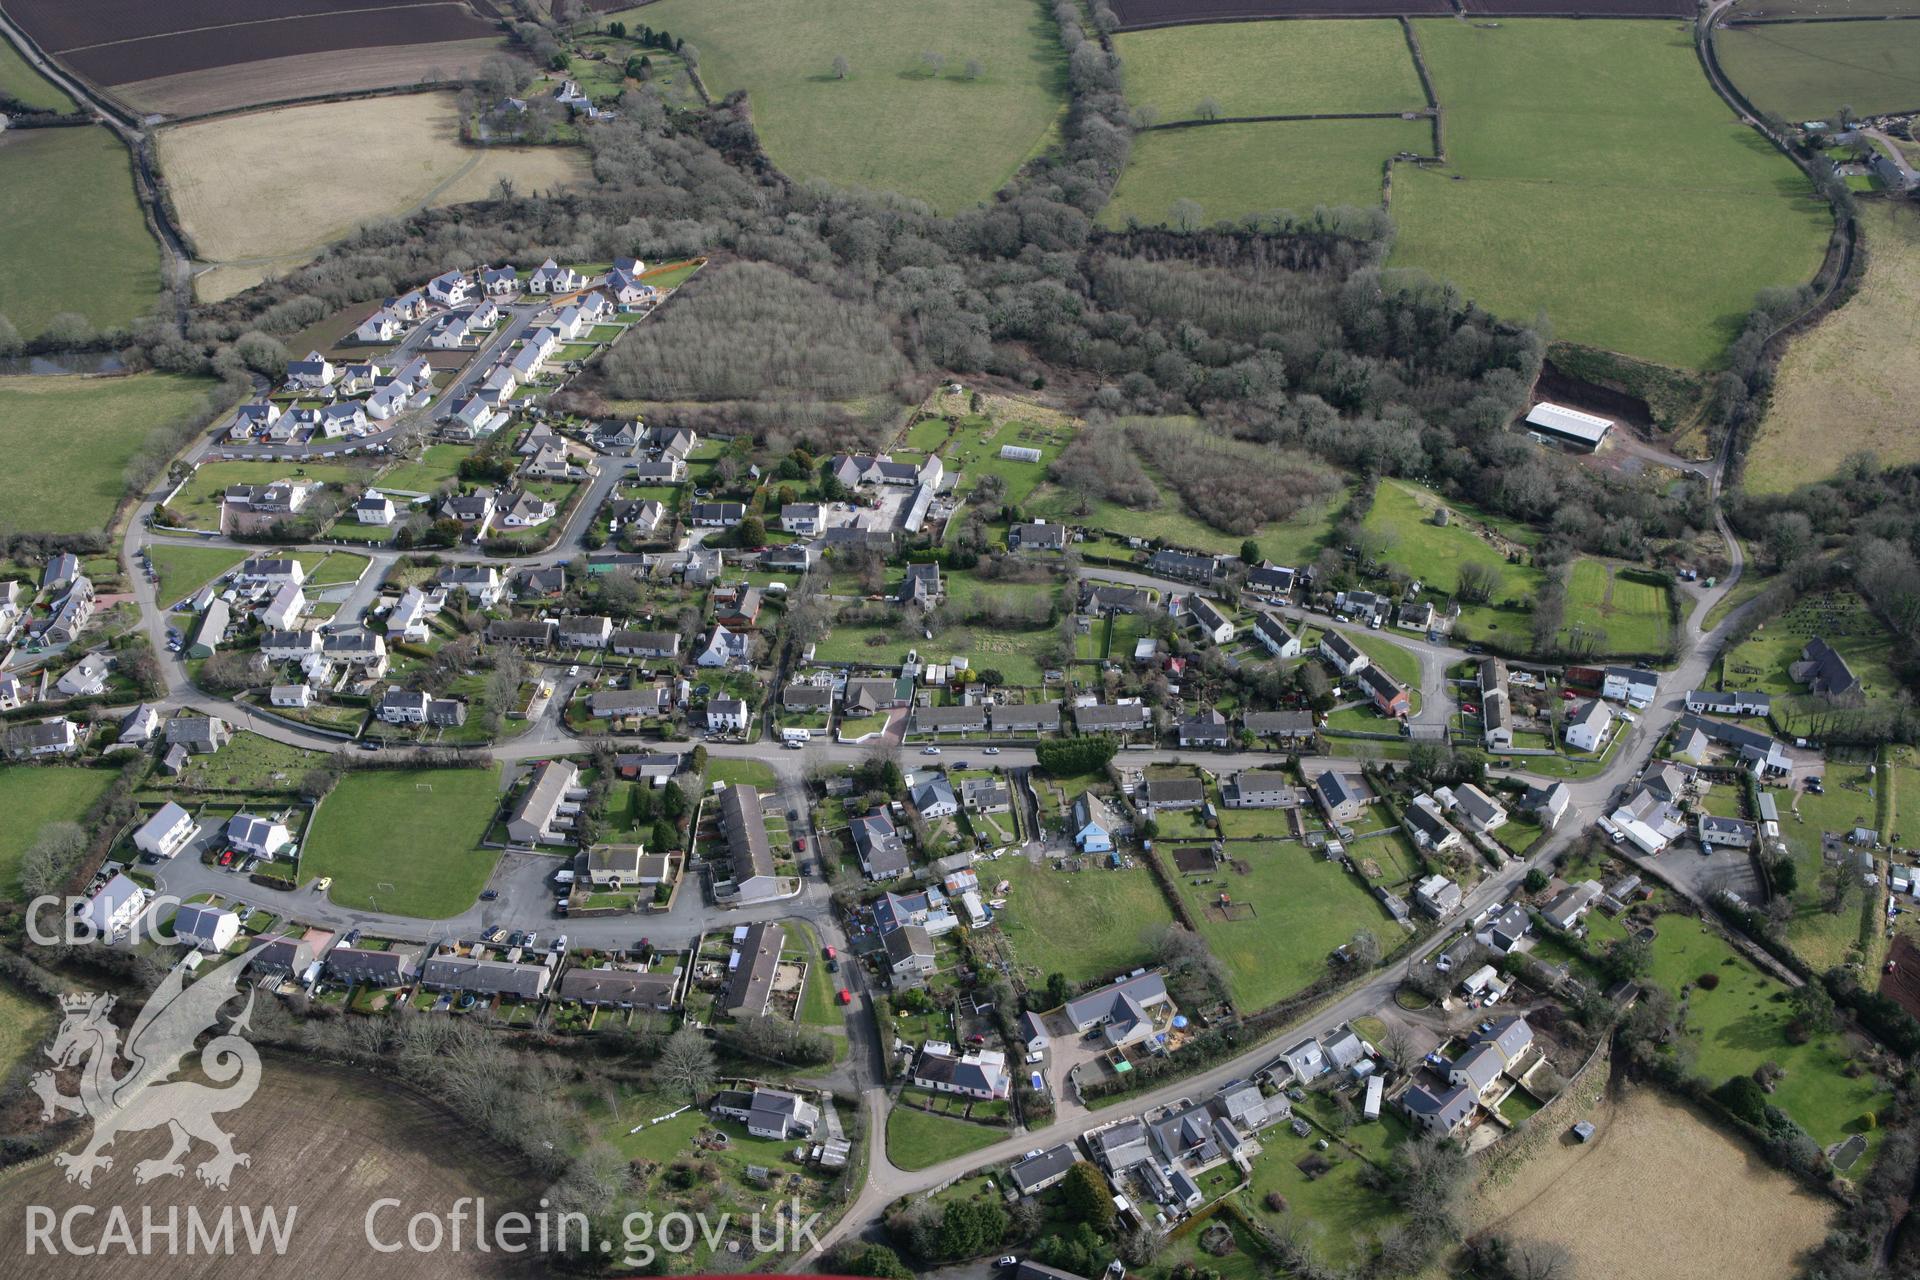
1659, 1191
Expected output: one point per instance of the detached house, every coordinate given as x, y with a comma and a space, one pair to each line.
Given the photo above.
551, 277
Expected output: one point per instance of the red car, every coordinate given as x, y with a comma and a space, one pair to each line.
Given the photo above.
801, 844
846, 996
1470, 709
831, 953
226, 859
1568, 695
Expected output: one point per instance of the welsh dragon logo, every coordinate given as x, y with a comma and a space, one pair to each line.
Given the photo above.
143, 1096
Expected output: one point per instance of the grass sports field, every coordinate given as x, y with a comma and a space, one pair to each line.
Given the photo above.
1809, 70
1270, 68
1843, 385
1629, 1202
892, 124
1615, 202
86, 249
31, 797
244, 190
28, 87
1740, 1024
1084, 924
1632, 610
1232, 170
1301, 908
68, 440
437, 816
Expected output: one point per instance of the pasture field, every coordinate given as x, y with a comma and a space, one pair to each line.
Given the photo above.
242, 184
1742, 1023
197, 505
1236, 170
68, 440
1136, 13
1841, 387
184, 570
1299, 908
1561, 205
86, 248
28, 87
1294, 541
1270, 68
1632, 611
1403, 513
310, 1131
32, 796
439, 816
1087, 925
23, 1020
892, 124
1628, 1203
917, 1139
1851, 798
1809, 70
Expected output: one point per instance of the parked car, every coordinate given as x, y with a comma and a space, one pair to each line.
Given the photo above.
846, 996
488, 895
930, 751
800, 844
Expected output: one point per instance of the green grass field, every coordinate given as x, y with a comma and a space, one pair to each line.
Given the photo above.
1335, 1208
1809, 70
1626, 202
439, 464
31, 797
1303, 908
184, 570
1232, 170
1632, 612
1086, 925
1742, 1023
197, 505
68, 440
28, 87
405, 841
1015, 654
1432, 553
917, 1139
891, 125
1270, 68
77, 240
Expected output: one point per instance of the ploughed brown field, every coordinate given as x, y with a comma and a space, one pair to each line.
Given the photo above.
1169, 13
325, 1142
114, 42
1581, 8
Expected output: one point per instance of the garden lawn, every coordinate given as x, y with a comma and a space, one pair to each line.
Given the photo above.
336, 567
1630, 607
892, 124
1742, 1023
734, 769
249, 762
197, 505
68, 440
917, 1139
184, 570
1304, 907
1809, 70
405, 841
1335, 1206
1234, 170
76, 240
1294, 541
28, 87
1015, 654
1270, 68
1564, 203
1087, 925
31, 797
